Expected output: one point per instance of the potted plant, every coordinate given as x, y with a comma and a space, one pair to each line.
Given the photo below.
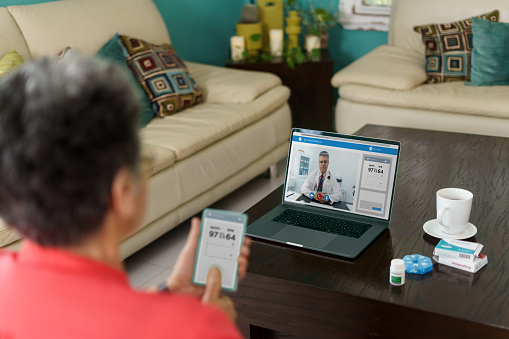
317, 21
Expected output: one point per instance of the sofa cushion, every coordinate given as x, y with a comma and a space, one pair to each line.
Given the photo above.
448, 47
452, 97
406, 14
222, 85
158, 158
490, 56
192, 178
198, 127
387, 67
10, 35
113, 52
8, 234
10, 61
162, 74
93, 23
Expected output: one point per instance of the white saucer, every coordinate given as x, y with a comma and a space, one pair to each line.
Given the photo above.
432, 228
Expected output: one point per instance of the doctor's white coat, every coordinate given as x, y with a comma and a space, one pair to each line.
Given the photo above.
330, 186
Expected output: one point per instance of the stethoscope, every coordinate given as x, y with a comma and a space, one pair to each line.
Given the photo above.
316, 185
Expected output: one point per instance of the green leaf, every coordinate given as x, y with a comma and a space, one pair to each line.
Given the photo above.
290, 63
315, 31
266, 57
255, 37
322, 15
245, 54
315, 53
300, 58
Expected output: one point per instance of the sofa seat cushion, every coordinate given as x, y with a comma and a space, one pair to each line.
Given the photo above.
158, 158
454, 97
8, 234
231, 86
193, 177
193, 129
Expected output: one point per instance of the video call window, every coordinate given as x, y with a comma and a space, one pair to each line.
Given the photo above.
358, 176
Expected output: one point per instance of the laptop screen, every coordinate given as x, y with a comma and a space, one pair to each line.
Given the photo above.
340, 172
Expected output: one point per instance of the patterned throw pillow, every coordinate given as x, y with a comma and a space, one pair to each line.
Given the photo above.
113, 52
448, 47
10, 61
162, 74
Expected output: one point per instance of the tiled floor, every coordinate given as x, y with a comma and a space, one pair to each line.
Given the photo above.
153, 264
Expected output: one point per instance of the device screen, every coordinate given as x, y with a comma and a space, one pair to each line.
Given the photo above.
221, 237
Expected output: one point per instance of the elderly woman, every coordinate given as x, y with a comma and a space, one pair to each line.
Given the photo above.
71, 183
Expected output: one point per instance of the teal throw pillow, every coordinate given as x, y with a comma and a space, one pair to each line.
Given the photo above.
490, 56
113, 52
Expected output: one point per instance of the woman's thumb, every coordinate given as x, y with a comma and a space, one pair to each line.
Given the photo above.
213, 286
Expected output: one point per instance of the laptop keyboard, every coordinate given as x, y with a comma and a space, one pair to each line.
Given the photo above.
348, 228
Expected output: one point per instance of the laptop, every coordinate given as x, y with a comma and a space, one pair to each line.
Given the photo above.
337, 196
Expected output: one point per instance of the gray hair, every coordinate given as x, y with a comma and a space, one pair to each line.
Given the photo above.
324, 154
65, 131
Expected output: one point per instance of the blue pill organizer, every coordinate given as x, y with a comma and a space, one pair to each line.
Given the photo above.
417, 264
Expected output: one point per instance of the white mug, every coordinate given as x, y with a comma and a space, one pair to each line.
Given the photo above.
453, 209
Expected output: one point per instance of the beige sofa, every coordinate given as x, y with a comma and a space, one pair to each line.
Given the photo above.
198, 155
386, 85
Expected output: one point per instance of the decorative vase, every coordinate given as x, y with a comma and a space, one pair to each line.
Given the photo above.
238, 46
313, 43
293, 29
276, 42
253, 36
271, 17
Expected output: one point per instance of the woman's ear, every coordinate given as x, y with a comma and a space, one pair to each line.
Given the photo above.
123, 193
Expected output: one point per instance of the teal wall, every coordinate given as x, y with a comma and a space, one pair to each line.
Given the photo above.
5, 3
200, 30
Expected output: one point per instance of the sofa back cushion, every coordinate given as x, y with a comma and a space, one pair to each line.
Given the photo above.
409, 13
10, 36
86, 25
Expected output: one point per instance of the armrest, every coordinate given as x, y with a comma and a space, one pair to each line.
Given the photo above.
231, 86
387, 67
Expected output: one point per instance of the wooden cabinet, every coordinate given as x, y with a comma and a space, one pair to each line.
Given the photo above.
312, 96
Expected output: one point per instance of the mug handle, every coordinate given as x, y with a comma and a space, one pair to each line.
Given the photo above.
440, 216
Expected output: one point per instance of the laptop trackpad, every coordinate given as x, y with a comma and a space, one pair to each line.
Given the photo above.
304, 236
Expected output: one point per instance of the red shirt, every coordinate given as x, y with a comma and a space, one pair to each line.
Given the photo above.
51, 293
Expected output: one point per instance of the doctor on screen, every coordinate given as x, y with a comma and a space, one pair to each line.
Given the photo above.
321, 185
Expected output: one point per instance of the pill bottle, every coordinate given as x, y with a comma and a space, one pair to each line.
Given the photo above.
397, 275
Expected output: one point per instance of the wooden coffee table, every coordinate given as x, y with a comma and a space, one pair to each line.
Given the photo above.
293, 293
